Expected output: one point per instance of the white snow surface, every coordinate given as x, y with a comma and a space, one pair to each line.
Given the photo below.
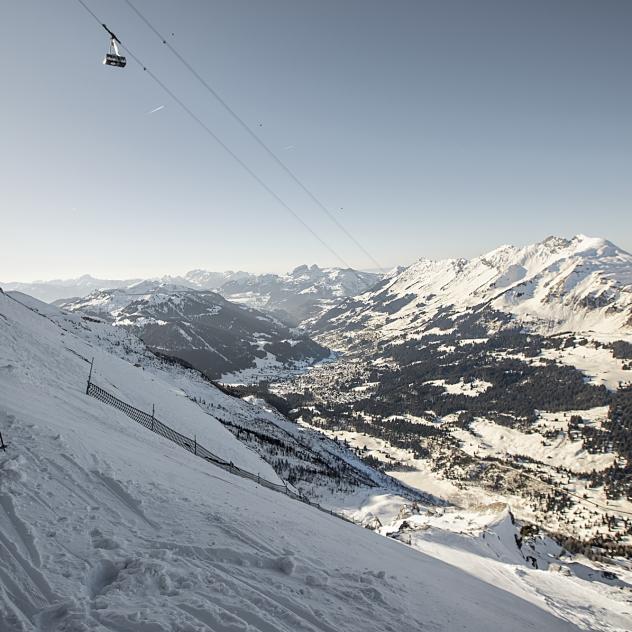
558, 285
471, 389
596, 363
110, 303
106, 526
489, 438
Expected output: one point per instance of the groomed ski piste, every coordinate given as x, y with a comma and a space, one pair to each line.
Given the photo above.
106, 526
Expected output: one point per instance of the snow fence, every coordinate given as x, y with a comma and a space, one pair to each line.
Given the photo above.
151, 423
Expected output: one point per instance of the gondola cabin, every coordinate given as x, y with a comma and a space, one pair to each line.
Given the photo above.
113, 57
114, 60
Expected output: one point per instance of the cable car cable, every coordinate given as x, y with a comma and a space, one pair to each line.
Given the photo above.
210, 132
257, 139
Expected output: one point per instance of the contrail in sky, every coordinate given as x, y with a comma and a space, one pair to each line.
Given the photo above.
160, 107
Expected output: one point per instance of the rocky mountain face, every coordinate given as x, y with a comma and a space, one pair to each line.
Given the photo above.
558, 285
203, 328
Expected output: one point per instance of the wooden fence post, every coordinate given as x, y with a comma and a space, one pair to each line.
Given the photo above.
153, 410
90, 376
3, 446
195, 445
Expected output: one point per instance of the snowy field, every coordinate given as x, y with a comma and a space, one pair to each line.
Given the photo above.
471, 389
106, 526
487, 438
597, 364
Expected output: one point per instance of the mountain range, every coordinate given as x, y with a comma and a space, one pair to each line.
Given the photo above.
301, 294
56, 289
292, 297
579, 285
202, 328
558, 285
508, 375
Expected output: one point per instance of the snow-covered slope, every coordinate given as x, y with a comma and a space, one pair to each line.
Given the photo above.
106, 526
580, 285
318, 468
202, 328
49, 354
483, 541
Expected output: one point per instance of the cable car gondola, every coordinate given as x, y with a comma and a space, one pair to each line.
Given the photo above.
113, 57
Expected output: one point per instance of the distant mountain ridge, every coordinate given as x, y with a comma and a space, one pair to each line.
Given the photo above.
50, 291
300, 294
556, 285
293, 297
581, 284
205, 279
202, 328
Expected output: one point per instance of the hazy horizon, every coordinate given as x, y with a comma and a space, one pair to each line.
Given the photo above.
438, 129
180, 273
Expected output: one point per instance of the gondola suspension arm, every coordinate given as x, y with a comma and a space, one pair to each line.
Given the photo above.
114, 57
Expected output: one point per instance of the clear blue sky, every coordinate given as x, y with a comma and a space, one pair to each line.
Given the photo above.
441, 128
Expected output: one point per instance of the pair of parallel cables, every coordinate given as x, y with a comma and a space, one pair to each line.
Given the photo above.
247, 129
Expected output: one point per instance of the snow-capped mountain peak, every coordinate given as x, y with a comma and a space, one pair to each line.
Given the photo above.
579, 284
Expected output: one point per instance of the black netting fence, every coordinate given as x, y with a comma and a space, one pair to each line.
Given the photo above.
151, 423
